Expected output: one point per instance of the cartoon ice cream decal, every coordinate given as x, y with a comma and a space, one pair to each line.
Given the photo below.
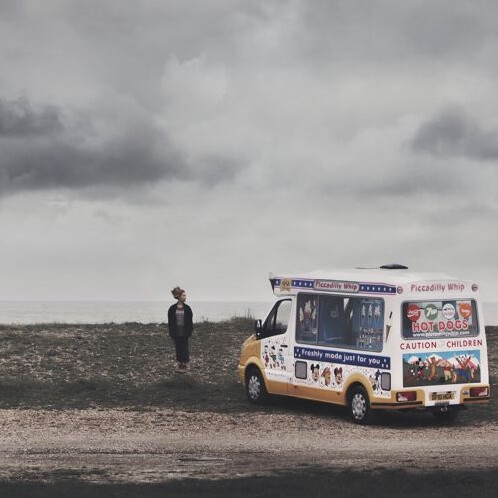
326, 375
464, 369
374, 380
266, 357
273, 357
315, 371
338, 375
433, 361
281, 358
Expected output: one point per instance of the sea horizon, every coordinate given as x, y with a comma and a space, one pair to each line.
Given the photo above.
70, 311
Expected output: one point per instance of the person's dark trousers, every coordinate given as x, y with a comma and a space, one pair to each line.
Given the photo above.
182, 353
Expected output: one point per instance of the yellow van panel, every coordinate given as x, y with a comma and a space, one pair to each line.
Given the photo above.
317, 394
250, 354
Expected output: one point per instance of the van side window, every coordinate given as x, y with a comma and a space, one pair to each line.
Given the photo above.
278, 319
307, 318
332, 320
368, 323
339, 321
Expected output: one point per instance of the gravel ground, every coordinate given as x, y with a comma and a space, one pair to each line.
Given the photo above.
129, 446
98, 412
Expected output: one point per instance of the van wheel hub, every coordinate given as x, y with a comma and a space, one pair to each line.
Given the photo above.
358, 406
254, 387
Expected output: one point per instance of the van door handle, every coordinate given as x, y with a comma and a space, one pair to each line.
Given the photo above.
283, 345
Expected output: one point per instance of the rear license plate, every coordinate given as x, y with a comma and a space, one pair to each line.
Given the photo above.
443, 396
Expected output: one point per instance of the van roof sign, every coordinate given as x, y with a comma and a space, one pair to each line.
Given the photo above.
370, 281
286, 284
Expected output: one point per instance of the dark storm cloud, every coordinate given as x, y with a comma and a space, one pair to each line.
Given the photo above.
42, 150
454, 133
19, 119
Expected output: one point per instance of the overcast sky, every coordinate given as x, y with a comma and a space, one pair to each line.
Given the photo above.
149, 143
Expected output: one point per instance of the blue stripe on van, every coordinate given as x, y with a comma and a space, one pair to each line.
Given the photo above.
378, 288
297, 283
369, 288
343, 357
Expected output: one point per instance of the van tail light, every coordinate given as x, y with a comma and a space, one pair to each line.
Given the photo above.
477, 392
406, 396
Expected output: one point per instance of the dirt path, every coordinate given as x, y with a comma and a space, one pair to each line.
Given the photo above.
156, 446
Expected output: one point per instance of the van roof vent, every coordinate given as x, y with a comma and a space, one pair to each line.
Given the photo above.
394, 266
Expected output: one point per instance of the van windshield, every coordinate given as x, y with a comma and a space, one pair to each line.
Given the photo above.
439, 319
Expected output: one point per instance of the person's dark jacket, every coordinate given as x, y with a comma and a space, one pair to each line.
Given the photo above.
188, 326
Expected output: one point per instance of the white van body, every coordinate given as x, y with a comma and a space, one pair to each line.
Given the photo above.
383, 338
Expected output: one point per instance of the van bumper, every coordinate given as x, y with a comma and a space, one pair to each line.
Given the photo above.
472, 394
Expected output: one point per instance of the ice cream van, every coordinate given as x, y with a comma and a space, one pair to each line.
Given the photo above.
371, 339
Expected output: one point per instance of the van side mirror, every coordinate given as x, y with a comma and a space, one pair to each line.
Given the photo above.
258, 328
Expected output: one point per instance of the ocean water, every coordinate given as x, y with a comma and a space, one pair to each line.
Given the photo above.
29, 312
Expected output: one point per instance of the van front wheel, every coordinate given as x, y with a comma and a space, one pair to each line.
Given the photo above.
255, 387
359, 405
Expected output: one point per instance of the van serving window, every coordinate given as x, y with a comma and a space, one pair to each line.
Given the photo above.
339, 321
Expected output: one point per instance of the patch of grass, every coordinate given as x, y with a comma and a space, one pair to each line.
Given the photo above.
18, 384
128, 364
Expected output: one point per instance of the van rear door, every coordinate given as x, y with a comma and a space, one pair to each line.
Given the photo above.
453, 348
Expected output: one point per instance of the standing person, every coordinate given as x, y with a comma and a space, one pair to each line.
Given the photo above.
180, 326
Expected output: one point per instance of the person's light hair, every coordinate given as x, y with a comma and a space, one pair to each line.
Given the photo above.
177, 292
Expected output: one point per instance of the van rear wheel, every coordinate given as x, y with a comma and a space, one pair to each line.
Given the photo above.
255, 387
359, 405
